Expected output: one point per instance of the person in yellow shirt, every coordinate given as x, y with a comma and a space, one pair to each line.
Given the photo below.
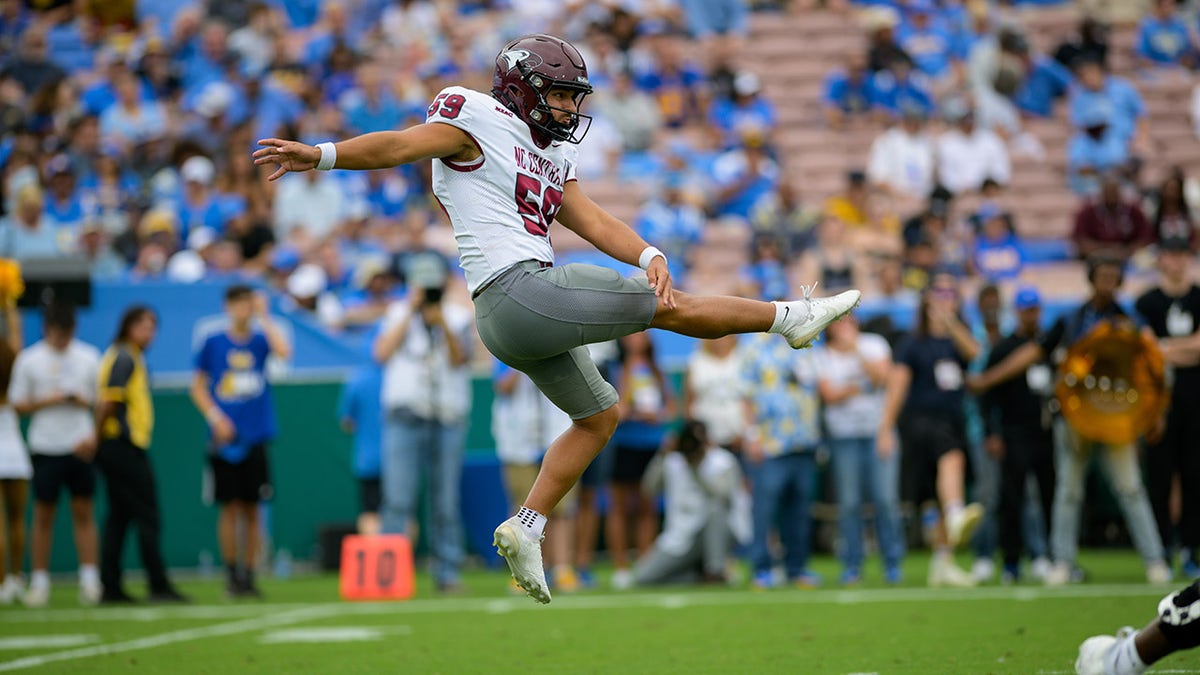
124, 425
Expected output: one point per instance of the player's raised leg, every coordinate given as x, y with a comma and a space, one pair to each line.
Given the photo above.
798, 321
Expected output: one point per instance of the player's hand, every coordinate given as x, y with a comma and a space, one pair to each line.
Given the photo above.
260, 304
977, 384
222, 429
1156, 432
660, 280
85, 449
433, 315
994, 445
289, 155
885, 444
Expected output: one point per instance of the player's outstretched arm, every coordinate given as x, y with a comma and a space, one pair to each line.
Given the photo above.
612, 236
377, 150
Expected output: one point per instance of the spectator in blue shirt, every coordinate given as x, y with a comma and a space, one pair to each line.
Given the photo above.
361, 415
927, 41
1046, 80
1093, 151
199, 207
766, 274
68, 45
1096, 90
231, 391
998, 255
848, 92
743, 178
898, 88
673, 221
65, 202
28, 232
1163, 38
207, 62
676, 83
370, 106
746, 112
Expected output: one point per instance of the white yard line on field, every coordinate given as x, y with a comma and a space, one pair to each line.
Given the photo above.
304, 613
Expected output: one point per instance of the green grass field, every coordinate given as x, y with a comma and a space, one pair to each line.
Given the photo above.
302, 627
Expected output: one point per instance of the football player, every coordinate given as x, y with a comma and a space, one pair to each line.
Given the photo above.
1177, 627
504, 171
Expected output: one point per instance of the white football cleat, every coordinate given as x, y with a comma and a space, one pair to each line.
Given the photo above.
1093, 651
524, 558
943, 572
801, 332
960, 526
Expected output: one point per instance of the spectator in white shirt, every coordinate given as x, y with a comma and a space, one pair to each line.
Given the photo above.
854, 371
707, 511
902, 158
424, 346
54, 383
308, 207
709, 398
967, 154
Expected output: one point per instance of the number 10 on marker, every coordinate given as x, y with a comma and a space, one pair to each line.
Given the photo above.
376, 568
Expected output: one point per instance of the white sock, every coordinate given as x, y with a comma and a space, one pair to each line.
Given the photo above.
1123, 658
796, 310
943, 554
89, 575
39, 579
532, 522
954, 509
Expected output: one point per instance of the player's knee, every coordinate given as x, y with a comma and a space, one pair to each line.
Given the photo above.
602, 424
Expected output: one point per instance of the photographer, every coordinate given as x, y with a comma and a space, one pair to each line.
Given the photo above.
424, 349
706, 509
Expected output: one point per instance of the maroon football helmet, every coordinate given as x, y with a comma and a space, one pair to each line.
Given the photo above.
527, 69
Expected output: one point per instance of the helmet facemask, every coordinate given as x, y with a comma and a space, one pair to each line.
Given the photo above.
541, 115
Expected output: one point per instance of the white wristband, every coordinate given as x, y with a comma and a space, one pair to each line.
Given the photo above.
649, 253
328, 156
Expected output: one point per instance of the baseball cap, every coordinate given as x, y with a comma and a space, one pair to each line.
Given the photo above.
59, 165
1027, 298
308, 281
746, 83
197, 169
284, 259
426, 270
1176, 244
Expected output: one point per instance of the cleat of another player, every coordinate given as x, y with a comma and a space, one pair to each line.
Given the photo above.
1092, 653
524, 558
800, 334
943, 573
962, 525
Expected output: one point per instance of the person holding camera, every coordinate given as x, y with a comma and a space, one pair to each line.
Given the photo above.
424, 347
707, 510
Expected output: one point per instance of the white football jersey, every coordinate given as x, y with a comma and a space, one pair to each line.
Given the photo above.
501, 204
